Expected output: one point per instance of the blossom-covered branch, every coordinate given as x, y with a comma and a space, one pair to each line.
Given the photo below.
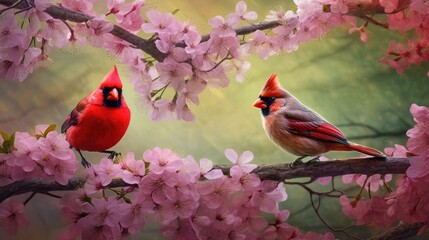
177, 59
276, 172
355, 8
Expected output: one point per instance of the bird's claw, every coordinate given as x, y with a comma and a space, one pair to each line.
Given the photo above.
114, 154
85, 163
313, 160
296, 163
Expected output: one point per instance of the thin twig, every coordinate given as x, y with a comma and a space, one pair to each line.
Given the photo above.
375, 22
29, 198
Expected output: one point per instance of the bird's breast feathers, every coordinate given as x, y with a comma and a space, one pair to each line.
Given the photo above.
99, 128
277, 128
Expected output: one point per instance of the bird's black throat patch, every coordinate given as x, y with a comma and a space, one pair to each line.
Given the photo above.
268, 101
110, 103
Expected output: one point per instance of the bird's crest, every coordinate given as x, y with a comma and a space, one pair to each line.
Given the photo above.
273, 88
112, 80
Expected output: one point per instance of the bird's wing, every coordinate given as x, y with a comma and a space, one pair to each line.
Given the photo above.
310, 125
73, 118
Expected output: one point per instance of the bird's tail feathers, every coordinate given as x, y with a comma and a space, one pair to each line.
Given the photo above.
366, 150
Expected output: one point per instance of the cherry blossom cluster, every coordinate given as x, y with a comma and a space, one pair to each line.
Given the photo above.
44, 154
184, 62
413, 21
408, 202
190, 200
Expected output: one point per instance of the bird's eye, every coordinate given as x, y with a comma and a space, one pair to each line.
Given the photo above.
272, 99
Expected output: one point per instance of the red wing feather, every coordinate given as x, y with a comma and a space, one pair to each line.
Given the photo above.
318, 130
73, 118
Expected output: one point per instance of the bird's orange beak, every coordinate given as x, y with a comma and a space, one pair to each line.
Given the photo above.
259, 104
113, 95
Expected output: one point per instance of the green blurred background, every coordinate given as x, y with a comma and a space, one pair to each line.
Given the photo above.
337, 75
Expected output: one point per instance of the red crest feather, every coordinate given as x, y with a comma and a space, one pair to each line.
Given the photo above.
112, 79
272, 88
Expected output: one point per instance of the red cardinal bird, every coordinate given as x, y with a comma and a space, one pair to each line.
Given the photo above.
99, 120
297, 128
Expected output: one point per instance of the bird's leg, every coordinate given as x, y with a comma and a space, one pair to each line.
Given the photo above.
297, 162
313, 160
112, 154
83, 161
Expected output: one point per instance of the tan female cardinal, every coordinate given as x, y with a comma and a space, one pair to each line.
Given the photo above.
297, 128
100, 119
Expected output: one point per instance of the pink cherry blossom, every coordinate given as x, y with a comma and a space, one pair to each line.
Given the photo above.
161, 23
162, 160
214, 193
179, 229
206, 169
133, 170
72, 204
118, 47
106, 170
56, 31
280, 229
222, 28
372, 211
339, 6
98, 27
281, 15
102, 211
174, 73
11, 33
12, 216
362, 32
241, 161
258, 43
397, 151
372, 182
25, 145
93, 182
389, 5
418, 142
56, 145
79, 5
241, 14
419, 167
135, 215
268, 195
248, 181
159, 187
183, 110
129, 17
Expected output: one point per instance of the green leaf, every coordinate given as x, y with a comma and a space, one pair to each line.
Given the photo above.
51, 128
4, 135
12, 138
8, 142
175, 11
7, 146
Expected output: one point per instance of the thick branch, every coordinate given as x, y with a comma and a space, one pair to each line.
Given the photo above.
278, 172
400, 232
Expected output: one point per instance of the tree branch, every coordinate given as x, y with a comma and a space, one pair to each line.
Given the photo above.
68, 15
356, 8
400, 232
277, 172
